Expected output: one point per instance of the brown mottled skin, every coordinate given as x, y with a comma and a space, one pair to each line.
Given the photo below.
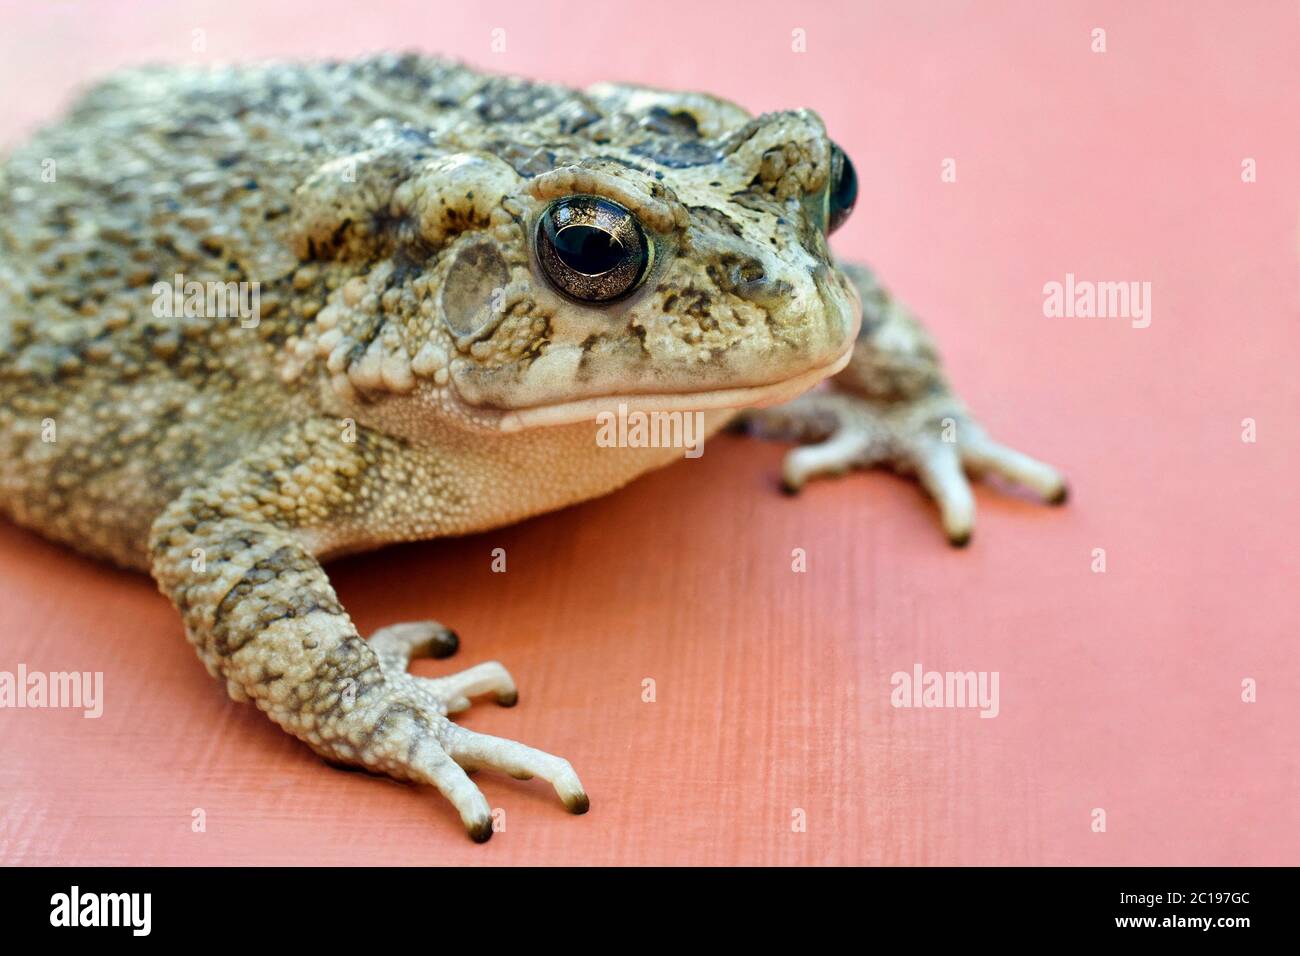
412, 371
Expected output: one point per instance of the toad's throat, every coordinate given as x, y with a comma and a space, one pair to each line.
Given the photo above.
586, 409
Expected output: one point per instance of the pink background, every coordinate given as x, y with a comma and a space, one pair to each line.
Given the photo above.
1118, 690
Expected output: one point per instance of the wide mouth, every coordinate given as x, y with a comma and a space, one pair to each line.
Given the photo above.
586, 409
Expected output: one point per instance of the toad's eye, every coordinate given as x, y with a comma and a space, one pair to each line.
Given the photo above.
844, 189
591, 248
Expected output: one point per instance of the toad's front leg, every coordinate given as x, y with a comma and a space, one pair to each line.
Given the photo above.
233, 554
891, 405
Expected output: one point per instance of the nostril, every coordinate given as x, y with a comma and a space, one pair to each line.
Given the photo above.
746, 277
749, 278
764, 292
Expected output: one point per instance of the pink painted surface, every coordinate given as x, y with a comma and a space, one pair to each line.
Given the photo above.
1119, 691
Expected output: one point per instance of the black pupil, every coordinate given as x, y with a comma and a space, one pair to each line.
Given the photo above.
844, 191
588, 250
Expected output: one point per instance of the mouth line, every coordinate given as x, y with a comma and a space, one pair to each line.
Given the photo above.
586, 409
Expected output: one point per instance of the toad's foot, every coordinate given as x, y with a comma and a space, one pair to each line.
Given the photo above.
931, 437
438, 751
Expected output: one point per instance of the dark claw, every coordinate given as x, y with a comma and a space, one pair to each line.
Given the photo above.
481, 833
960, 540
789, 489
444, 644
508, 700
1061, 497
580, 805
